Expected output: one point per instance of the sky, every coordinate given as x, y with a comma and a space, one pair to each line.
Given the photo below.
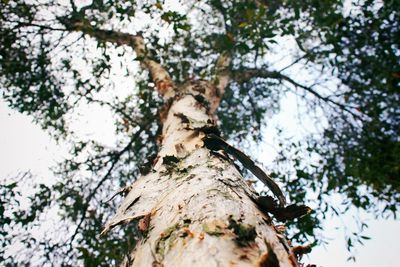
25, 146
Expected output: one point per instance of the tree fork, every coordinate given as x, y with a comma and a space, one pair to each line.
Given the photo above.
193, 207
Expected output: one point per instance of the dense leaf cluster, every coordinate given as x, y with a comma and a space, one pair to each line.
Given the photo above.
362, 49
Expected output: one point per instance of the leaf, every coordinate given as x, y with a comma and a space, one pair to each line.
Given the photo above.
158, 5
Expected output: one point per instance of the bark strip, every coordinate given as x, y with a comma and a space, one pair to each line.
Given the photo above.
215, 143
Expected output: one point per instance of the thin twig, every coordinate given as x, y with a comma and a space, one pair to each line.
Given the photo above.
100, 183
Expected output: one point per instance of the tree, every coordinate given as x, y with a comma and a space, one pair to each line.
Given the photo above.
208, 80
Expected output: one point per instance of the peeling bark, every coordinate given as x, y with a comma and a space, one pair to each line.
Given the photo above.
191, 204
193, 207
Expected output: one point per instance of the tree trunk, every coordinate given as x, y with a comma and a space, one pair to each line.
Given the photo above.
194, 208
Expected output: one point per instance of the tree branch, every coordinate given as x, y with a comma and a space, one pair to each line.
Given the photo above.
294, 62
248, 74
222, 73
159, 75
20, 24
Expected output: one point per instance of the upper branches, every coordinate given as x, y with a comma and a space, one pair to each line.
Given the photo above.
222, 73
245, 75
159, 75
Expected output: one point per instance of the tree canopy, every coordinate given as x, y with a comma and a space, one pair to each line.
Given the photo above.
58, 58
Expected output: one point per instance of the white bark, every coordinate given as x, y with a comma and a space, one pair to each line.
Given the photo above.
222, 72
194, 209
160, 76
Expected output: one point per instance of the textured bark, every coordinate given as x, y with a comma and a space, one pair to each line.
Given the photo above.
194, 208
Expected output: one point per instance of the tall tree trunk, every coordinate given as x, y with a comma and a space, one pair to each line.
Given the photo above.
193, 208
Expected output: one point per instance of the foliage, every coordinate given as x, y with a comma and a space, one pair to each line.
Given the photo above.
52, 64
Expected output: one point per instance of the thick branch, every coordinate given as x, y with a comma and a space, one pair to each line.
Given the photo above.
222, 74
248, 74
159, 75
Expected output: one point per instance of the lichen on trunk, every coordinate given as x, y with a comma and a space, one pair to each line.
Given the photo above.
193, 207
